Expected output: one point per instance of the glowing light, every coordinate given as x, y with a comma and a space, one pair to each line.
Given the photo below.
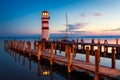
43, 14
45, 73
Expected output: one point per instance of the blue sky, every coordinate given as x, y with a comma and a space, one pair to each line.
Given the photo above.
85, 17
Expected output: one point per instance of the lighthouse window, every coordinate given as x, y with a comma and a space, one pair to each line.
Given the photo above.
43, 14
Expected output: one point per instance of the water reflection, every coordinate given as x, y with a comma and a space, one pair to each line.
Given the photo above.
30, 64
19, 57
43, 70
24, 60
39, 69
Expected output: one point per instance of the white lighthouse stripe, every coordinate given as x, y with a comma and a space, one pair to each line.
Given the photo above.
44, 25
45, 19
45, 34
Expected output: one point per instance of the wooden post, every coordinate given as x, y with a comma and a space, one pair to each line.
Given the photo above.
66, 50
60, 46
92, 46
51, 54
116, 40
73, 50
14, 44
23, 47
39, 51
69, 59
83, 46
117, 48
35, 44
113, 58
99, 47
55, 47
87, 54
29, 47
77, 44
105, 50
97, 65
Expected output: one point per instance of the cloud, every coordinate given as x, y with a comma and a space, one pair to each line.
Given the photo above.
76, 26
97, 14
83, 15
117, 29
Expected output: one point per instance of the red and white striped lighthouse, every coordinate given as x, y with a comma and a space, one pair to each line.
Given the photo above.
45, 25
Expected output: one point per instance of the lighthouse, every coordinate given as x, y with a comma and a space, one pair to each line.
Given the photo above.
45, 25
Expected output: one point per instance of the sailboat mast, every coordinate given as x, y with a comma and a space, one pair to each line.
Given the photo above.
66, 27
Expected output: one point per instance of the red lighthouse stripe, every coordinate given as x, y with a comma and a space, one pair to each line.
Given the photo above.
45, 28
44, 21
45, 18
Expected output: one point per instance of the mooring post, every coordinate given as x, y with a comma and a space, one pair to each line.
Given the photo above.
92, 46
113, 58
116, 40
15, 44
23, 49
77, 44
82, 45
87, 54
69, 59
29, 47
59, 46
117, 48
97, 64
73, 49
105, 48
39, 51
18, 45
66, 50
35, 44
51, 54
99, 47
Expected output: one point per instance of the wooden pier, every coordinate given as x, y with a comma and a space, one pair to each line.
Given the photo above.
46, 50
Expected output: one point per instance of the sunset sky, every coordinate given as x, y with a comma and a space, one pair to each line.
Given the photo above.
85, 17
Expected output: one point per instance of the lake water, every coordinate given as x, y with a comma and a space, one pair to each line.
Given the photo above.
16, 66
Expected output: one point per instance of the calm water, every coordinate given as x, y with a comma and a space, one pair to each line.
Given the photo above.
15, 66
